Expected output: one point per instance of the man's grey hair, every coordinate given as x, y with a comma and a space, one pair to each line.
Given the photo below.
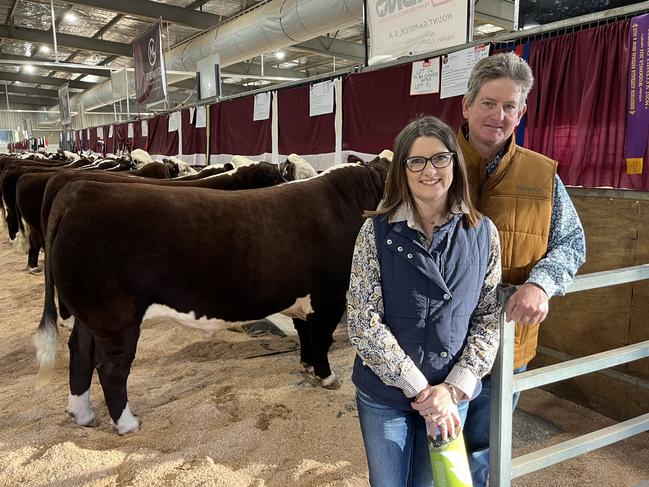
503, 65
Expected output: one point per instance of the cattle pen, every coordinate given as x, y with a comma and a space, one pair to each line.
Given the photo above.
230, 410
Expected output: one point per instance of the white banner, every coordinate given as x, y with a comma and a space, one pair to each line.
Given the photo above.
456, 69
321, 98
100, 132
411, 27
129, 132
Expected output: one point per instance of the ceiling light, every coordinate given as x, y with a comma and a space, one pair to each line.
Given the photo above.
70, 17
44, 48
28, 68
280, 55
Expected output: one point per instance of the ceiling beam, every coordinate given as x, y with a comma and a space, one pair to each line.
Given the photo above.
147, 9
197, 4
30, 100
24, 90
44, 80
330, 46
59, 67
12, 11
66, 40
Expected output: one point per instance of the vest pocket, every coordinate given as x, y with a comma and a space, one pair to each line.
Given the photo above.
409, 304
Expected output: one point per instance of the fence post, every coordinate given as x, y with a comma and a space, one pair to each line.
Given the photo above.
502, 376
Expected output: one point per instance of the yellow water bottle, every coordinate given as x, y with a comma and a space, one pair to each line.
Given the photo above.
449, 462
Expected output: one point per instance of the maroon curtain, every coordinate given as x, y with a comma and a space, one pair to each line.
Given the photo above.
232, 130
298, 132
94, 146
85, 139
120, 136
577, 110
109, 142
161, 141
139, 142
378, 104
194, 139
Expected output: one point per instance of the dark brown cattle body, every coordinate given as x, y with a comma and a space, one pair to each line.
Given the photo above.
258, 175
230, 255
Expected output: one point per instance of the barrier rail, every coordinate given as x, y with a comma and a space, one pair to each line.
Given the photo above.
502, 467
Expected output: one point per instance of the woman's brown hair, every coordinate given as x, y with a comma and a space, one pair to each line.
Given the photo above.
396, 190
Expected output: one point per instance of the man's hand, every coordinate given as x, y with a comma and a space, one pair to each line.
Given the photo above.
529, 304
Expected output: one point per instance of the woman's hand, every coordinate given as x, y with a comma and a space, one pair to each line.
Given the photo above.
436, 405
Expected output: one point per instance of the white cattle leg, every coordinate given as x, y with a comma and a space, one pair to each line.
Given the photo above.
127, 423
80, 409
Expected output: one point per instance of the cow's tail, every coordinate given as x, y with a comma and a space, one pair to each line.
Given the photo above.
46, 338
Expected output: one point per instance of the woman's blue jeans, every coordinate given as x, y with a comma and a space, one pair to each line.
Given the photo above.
396, 444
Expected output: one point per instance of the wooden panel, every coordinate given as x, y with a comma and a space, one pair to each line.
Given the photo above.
588, 322
639, 325
616, 225
611, 232
613, 398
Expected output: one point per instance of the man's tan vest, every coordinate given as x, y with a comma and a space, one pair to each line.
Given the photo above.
518, 198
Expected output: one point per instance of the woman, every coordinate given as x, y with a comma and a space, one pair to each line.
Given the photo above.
422, 309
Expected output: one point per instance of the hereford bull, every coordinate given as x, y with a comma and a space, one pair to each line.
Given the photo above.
204, 257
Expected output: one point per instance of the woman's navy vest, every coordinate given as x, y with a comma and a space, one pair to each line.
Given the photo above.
429, 296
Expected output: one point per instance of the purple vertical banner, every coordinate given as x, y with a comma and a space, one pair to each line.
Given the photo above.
637, 115
150, 75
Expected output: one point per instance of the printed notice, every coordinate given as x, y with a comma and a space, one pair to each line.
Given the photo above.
100, 132
144, 128
173, 122
201, 117
110, 131
191, 115
129, 134
424, 79
456, 68
262, 107
321, 98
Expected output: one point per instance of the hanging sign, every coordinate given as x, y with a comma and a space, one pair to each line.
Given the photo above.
321, 98
456, 69
411, 27
261, 107
150, 75
424, 78
64, 105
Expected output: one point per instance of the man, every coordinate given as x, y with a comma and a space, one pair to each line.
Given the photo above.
542, 240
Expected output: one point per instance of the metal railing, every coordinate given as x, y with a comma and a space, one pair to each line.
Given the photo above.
504, 468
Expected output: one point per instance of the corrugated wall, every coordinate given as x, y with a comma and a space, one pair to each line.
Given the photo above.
12, 120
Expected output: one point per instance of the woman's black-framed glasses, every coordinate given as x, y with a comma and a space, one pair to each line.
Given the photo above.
439, 161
